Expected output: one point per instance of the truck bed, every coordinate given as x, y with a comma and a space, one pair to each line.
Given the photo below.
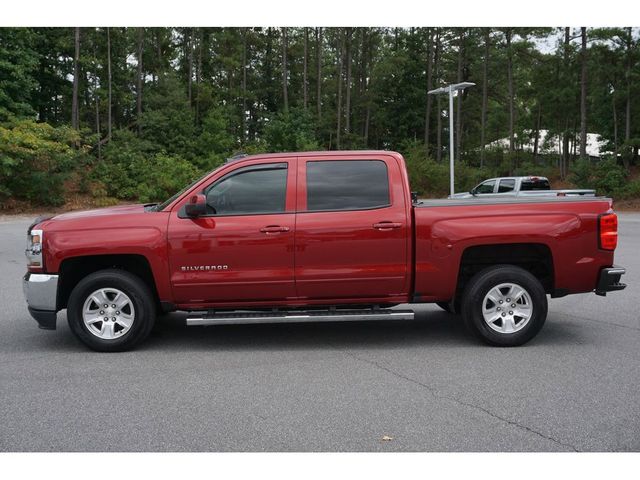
564, 230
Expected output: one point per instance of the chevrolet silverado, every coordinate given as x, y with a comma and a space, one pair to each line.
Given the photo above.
316, 236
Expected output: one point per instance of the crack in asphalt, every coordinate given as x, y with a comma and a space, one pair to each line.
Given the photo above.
437, 394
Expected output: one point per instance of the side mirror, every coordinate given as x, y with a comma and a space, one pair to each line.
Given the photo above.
197, 206
473, 191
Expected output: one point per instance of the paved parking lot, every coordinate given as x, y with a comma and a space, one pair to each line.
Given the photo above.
326, 387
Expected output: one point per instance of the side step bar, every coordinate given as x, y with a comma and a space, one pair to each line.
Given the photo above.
236, 318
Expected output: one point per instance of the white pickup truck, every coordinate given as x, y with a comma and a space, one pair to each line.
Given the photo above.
519, 186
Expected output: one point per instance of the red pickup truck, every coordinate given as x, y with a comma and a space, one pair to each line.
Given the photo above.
316, 236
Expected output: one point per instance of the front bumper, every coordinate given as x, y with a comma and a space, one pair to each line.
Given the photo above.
41, 292
609, 280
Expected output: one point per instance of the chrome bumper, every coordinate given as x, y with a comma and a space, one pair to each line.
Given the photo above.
40, 291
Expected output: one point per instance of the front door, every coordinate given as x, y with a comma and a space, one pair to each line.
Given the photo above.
242, 250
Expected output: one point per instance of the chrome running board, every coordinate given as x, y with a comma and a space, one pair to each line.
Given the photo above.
236, 318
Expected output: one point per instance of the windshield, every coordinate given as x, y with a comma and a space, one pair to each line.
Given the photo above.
167, 202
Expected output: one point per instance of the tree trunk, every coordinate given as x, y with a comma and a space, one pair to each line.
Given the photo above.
285, 74
140, 81
319, 71
615, 127
199, 74
436, 66
159, 53
458, 140
485, 95
427, 115
508, 35
367, 64
564, 164
305, 92
75, 117
583, 95
109, 107
97, 102
189, 45
536, 141
347, 123
244, 86
627, 127
340, 51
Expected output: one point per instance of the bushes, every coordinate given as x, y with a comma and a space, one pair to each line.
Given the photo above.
35, 159
606, 176
132, 171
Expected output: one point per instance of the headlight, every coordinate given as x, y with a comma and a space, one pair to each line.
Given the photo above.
34, 249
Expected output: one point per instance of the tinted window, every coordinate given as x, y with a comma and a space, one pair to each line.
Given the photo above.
506, 185
540, 184
254, 189
486, 187
347, 185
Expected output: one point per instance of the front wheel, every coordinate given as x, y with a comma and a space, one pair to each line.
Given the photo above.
111, 310
504, 305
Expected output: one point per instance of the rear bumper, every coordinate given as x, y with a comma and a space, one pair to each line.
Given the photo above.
41, 292
609, 280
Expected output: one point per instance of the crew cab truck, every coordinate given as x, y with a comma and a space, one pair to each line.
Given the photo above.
516, 186
316, 236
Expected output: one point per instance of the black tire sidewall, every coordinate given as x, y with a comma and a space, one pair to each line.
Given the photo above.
480, 285
135, 289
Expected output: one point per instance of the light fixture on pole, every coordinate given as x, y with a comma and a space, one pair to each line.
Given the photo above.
450, 89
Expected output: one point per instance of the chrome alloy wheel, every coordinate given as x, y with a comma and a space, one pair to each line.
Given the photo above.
108, 313
507, 308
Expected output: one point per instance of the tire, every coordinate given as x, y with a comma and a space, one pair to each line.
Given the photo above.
134, 310
507, 324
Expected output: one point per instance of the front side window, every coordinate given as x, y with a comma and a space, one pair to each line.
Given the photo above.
506, 185
486, 187
347, 185
256, 189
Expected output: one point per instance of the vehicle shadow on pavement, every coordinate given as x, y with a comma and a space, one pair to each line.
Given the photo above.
437, 329
429, 330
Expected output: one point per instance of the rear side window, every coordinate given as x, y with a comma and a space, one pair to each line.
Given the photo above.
530, 184
347, 185
506, 185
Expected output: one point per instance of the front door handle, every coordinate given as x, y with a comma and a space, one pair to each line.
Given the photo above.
274, 229
386, 225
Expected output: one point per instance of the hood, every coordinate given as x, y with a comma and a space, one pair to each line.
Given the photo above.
98, 212
461, 195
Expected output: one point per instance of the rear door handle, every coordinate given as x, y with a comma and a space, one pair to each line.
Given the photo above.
386, 225
274, 229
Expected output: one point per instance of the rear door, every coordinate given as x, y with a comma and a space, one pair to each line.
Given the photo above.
352, 228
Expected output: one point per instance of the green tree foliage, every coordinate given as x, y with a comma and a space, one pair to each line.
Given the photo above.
204, 94
34, 160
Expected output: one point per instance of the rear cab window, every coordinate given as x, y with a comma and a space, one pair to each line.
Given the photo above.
529, 184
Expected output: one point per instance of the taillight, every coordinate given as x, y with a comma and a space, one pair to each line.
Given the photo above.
608, 227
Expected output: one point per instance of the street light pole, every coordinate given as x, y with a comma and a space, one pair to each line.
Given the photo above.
451, 144
450, 89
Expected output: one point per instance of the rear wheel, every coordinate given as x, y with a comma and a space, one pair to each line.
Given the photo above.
504, 305
111, 310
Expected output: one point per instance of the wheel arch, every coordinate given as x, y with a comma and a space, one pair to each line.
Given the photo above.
536, 258
74, 269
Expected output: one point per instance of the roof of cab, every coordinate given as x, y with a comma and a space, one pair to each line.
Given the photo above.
323, 153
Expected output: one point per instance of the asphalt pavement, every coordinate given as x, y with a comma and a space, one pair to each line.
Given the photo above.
425, 384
